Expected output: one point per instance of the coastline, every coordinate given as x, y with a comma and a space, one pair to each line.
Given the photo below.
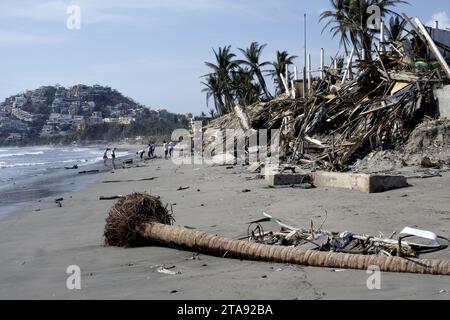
38, 246
23, 191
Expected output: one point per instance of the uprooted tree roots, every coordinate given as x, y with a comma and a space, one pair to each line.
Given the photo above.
141, 219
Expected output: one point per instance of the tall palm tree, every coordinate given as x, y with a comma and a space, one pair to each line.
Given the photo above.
396, 29
252, 56
348, 18
279, 68
337, 22
221, 70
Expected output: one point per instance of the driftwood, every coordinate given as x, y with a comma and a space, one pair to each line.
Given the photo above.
132, 180
111, 197
89, 172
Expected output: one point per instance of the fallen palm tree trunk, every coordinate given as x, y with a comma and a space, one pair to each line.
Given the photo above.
140, 219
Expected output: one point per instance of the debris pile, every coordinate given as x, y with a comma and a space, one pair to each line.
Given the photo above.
317, 239
428, 147
342, 120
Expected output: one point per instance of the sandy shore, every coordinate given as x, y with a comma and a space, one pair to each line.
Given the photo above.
40, 242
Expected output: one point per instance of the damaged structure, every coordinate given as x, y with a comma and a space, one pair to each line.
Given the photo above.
342, 121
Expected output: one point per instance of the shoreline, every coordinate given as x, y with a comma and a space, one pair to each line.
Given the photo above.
25, 191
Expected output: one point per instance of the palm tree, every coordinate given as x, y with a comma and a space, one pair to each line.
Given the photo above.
279, 69
348, 18
396, 30
221, 70
245, 90
213, 91
337, 22
252, 56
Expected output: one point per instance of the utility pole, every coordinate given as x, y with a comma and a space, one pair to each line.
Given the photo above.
305, 87
322, 64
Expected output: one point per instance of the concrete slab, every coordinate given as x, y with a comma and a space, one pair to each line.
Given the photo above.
443, 99
358, 182
275, 178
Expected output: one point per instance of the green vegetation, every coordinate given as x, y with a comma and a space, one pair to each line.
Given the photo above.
243, 81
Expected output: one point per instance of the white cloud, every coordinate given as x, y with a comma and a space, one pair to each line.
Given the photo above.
443, 19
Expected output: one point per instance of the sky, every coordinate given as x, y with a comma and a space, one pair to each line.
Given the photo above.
154, 50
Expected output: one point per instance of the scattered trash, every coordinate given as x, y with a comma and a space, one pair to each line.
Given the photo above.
427, 163
346, 242
256, 167
183, 188
168, 271
59, 202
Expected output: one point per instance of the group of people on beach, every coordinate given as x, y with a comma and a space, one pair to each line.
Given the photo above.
113, 157
168, 149
151, 149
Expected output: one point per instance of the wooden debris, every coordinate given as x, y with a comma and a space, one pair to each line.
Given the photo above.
135, 180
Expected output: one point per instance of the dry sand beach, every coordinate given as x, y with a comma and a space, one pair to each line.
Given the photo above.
39, 242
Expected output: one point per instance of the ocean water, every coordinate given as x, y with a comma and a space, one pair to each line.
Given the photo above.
17, 163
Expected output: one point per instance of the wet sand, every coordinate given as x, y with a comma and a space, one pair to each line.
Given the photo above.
38, 243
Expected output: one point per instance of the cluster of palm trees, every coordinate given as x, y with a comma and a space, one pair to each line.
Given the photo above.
243, 81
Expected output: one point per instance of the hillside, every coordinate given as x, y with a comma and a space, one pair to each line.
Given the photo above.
55, 114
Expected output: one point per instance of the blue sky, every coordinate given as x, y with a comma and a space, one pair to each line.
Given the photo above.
154, 50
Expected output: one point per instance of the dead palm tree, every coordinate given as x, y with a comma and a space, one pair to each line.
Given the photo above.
252, 59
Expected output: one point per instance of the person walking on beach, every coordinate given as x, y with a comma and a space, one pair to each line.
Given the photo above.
105, 157
153, 149
166, 150
113, 157
150, 155
171, 146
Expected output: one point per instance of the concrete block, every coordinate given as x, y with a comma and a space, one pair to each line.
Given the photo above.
358, 182
275, 178
443, 99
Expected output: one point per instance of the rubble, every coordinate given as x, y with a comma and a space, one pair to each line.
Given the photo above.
317, 239
377, 111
